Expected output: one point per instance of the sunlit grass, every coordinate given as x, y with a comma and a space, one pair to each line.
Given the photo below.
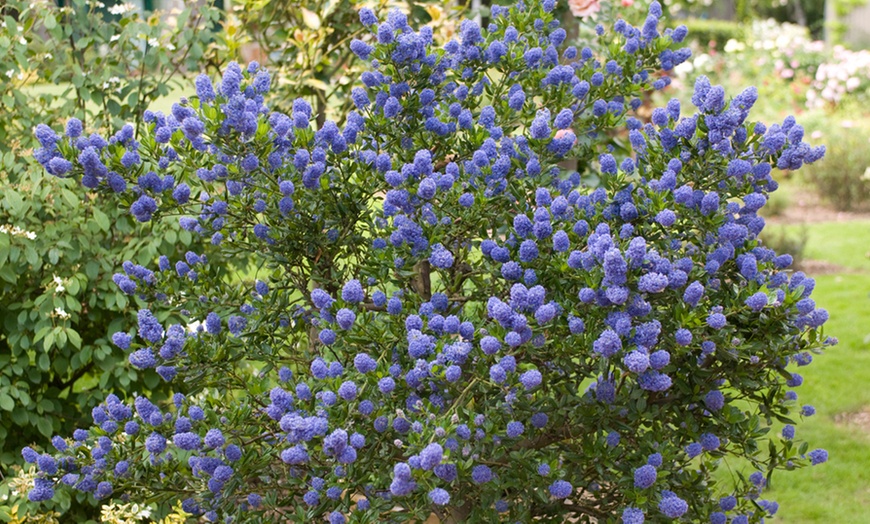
836, 383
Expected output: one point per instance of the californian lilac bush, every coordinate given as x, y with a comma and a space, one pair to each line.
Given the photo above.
439, 319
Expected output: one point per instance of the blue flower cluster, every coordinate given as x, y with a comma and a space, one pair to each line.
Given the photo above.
451, 316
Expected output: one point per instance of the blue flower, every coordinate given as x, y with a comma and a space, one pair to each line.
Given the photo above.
653, 283
361, 49
352, 292
441, 257
481, 474
714, 400
515, 429
367, 17
561, 489
757, 302
636, 361
644, 476
709, 442
540, 127
213, 323
439, 496
672, 506
632, 516
347, 390
345, 318
531, 379
716, 320
187, 441
431, 456
43, 489
607, 344
214, 438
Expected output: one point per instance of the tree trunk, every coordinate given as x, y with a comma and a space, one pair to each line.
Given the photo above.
800, 16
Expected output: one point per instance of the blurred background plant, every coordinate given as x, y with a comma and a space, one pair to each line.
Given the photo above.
843, 179
58, 252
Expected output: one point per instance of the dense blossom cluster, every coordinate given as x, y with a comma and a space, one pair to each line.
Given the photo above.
458, 327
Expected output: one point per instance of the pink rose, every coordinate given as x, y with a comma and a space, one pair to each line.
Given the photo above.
627, 3
584, 8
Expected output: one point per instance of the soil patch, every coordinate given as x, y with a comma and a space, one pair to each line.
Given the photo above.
823, 267
859, 419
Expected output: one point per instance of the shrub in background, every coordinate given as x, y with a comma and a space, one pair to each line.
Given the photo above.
842, 179
58, 251
443, 321
783, 241
709, 33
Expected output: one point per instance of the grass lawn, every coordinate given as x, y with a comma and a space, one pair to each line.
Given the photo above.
836, 384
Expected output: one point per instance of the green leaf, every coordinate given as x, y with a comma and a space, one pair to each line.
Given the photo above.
49, 22
6, 402
44, 362
73, 286
101, 219
32, 256
70, 197
44, 426
14, 201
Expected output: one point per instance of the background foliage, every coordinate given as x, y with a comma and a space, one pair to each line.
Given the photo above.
58, 304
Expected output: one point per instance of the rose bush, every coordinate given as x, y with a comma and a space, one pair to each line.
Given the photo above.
438, 319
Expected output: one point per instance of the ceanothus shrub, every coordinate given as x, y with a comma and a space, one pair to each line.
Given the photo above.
437, 318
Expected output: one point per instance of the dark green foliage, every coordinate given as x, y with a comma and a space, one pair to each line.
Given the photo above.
705, 31
54, 368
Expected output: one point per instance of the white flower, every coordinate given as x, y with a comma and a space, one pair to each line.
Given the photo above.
23, 41
10, 73
733, 46
58, 282
121, 9
684, 69
194, 326
16, 231
115, 38
61, 313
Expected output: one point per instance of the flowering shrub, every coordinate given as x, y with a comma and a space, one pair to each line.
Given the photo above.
441, 321
58, 251
844, 74
305, 45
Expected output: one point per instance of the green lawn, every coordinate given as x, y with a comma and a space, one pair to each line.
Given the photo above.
836, 383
